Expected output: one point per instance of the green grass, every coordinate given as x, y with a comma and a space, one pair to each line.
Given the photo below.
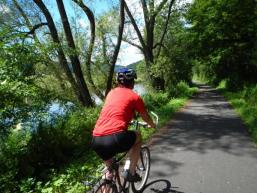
245, 104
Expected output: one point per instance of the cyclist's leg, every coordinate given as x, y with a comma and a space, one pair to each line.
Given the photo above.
103, 146
134, 153
108, 162
107, 173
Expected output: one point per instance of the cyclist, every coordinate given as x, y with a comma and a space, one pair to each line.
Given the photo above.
110, 135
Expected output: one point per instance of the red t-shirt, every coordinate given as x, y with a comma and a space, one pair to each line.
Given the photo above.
118, 110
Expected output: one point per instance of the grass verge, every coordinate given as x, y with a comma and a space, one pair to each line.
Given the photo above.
245, 104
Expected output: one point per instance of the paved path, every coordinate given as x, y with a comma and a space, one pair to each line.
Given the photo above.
204, 149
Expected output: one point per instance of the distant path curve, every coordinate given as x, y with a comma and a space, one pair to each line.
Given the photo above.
205, 148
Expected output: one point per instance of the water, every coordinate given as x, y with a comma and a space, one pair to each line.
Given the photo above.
140, 89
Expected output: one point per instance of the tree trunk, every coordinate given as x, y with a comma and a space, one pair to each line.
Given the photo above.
150, 13
61, 56
91, 19
74, 57
117, 48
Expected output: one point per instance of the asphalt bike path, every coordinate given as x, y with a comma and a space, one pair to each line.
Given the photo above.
205, 148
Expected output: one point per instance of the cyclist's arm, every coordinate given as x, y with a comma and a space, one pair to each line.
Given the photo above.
146, 117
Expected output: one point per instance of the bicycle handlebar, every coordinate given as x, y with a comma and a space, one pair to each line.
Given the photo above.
144, 124
156, 118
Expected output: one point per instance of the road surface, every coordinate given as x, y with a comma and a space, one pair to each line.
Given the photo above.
205, 148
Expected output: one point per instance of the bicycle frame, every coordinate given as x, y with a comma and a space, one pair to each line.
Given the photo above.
121, 187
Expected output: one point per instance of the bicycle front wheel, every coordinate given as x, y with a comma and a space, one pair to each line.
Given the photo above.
143, 169
105, 187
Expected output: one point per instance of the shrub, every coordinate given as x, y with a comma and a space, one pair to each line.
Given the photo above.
155, 100
11, 151
31, 155
182, 89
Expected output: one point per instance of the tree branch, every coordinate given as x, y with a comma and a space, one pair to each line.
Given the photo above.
140, 37
117, 47
159, 8
145, 12
132, 43
35, 27
91, 19
27, 21
165, 28
74, 56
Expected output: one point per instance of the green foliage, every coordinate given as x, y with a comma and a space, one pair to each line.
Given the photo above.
165, 104
245, 103
154, 101
19, 93
31, 155
182, 89
223, 35
173, 63
68, 179
10, 153
166, 112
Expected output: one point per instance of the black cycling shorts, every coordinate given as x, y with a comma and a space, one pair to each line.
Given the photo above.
108, 146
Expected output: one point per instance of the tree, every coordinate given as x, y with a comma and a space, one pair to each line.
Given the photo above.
174, 63
148, 42
224, 36
88, 62
79, 84
117, 48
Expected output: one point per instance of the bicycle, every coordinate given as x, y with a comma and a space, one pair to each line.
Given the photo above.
117, 184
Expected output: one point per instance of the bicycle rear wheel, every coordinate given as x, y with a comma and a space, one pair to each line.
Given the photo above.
143, 169
105, 187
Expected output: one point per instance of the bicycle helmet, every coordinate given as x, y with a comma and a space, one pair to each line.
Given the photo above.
126, 76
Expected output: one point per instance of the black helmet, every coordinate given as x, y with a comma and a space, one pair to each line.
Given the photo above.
126, 76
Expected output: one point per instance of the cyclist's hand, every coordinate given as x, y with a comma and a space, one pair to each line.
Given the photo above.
151, 126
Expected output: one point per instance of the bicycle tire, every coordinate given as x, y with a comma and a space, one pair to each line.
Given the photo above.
143, 169
105, 186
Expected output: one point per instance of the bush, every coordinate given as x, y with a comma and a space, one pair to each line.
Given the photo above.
31, 155
182, 89
11, 151
154, 101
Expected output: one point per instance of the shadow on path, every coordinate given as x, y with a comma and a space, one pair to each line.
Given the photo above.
206, 123
204, 148
160, 186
